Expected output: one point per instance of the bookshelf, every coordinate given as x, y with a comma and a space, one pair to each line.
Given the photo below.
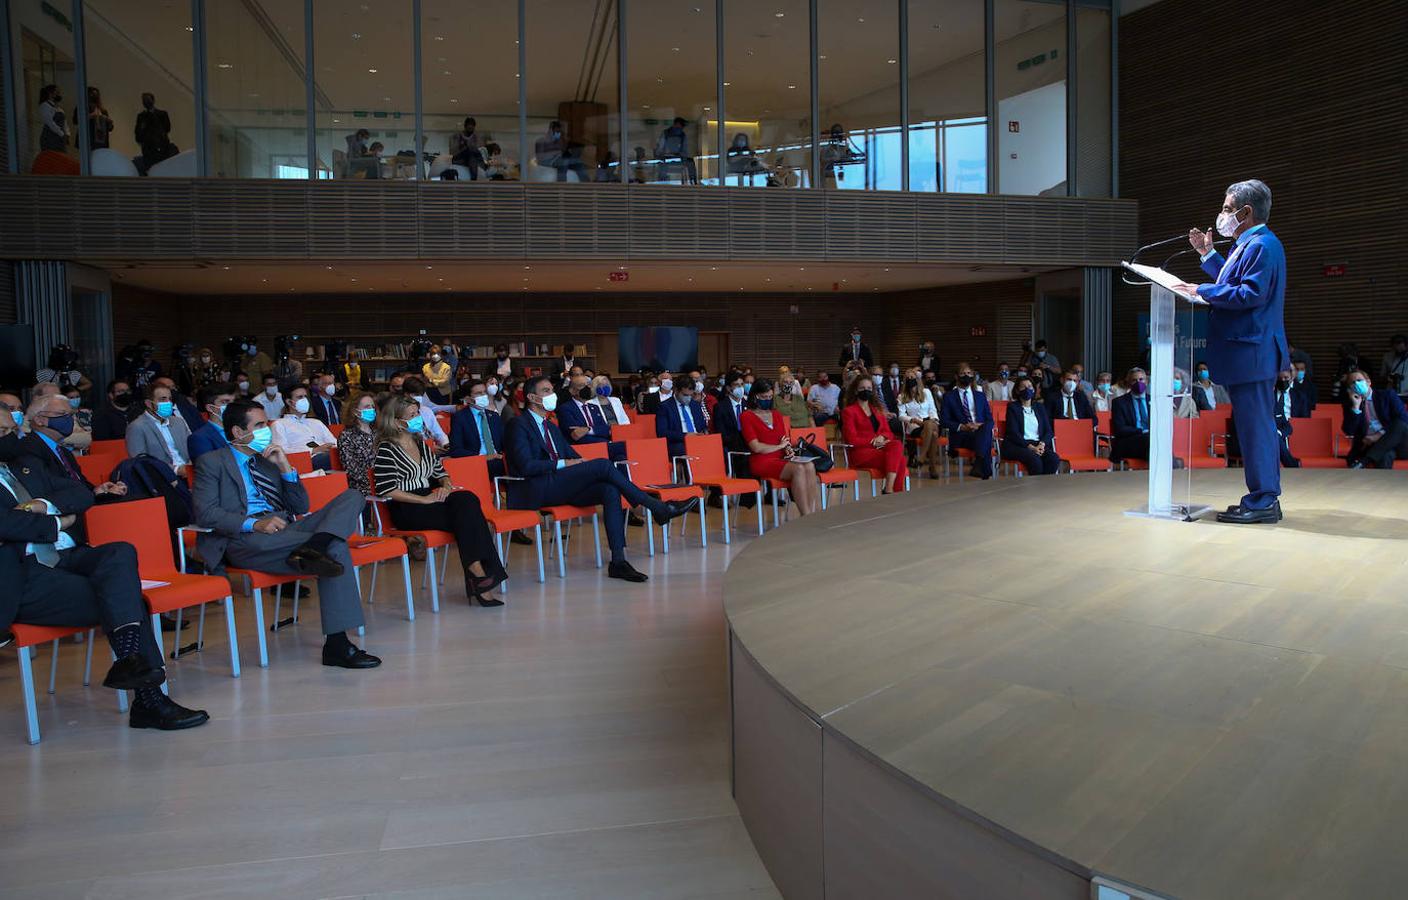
381, 355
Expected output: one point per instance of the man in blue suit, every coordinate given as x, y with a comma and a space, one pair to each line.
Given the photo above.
553, 474
678, 416
581, 419
968, 418
213, 399
476, 430
1247, 338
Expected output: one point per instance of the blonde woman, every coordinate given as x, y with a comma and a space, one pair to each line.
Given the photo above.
919, 415
439, 376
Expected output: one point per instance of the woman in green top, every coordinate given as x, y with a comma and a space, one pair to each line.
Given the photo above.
791, 400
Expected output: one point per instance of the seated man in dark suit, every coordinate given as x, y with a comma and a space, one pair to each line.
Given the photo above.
727, 423
1376, 420
581, 420
1285, 410
1304, 396
326, 408
1070, 402
554, 474
1129, 419
50, 423
113, 413
248, 495
52, 579
678, 416
213, 398
967, 416
477, 430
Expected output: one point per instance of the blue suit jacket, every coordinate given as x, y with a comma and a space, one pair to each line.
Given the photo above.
464, 432
204, 439
1246, 325
1387, 407
951, 412
1122, 418
728, 426
1015, 429
528, 459
668, 426
1056, 405
569, 416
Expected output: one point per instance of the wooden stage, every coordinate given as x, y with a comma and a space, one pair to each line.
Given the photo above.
1006, 689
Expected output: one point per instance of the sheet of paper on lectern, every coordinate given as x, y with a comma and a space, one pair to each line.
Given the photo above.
1163, 279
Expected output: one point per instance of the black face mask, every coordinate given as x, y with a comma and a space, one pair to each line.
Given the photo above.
122, 401
1028, 394
585, 392
9, 446
1283, 384
865, 396
911, 383
965, 380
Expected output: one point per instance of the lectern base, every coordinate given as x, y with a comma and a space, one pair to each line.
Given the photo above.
1173, 514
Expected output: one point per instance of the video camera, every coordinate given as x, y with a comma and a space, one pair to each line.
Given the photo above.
239, 346
283, 343
63, 358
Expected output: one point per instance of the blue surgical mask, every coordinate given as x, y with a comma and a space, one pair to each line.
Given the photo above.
368, 414
165, 408
1177, 385
62, 424
1104, 387
1202, 374
260, 440
17, 417
1300, 374
1361, 388
415, 424
737, 392
765, 403
74, 402
603, 390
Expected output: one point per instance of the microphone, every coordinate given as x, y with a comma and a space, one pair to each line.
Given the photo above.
1215, 245
1172, 240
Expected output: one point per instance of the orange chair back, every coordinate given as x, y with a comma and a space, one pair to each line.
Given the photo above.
302, 462
336, 429
628, 431
598, 450
443, 418
1329, 411
323, 489
1074, 437
652, 462
1102, 422
999, 411
471, 473
708, 450
141, 523
646, 424
118, 447
97, 468
1204, 428
1313, 436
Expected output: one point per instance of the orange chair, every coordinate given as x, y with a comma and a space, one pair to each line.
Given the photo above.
117, 447
1195, 453
999, 413
564, 512
443, 420
1312, 442
27, 637
1104, 432
472, 473
1075, 442
653, 472
364, 550
705, 463
52, 162
302, 462
1331, 411
630, 431
646, 423
433, 540
836, 475
336, 429
142, 523
98, 468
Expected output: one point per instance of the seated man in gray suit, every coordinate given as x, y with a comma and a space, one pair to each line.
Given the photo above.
248, 494
160, 431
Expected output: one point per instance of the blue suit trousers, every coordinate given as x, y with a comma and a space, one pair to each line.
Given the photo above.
1254, 403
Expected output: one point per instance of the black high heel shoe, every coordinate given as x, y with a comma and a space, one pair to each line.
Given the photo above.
478, 588
487, 602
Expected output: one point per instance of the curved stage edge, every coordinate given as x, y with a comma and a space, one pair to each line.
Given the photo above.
1011, 689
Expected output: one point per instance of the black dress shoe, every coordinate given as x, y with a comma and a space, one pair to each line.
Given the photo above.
131, 673
7, 638
1243, 516
353, 657
676, 509
307, 561
519, 537
625, 571
169, 624
635, 521
166, 714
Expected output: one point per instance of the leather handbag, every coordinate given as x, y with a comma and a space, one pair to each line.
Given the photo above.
805, 447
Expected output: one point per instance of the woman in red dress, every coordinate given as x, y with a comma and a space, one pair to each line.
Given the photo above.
766, 434
866, 427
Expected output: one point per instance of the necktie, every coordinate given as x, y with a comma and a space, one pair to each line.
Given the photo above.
270, 491
44, 554
1140, 417
967, 410
71, 465
332, 411
486, 437
1070, 408
547, 440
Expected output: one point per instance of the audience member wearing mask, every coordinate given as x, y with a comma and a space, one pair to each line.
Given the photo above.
612, 409
1043, 367
790, 401
51, 423
874, 444
728, 424
889, 387
1002, 386
184, 407
648, 400
356, 446
1304, 395
111, 417
298, 432
160, 431
919, 418
11, 418
766, 433
967, 417
1183, 405
1208, 394
855, 350
1129, 419
680, 416
413, 386
323, 399
1376, 421
270, 398
1104, 394
1029, 437
420, 496
1068, 401
927, 358
822, 399
583, 421
502, 366
1285, 381
439, 375
1395, 365
213, 398
1078, 370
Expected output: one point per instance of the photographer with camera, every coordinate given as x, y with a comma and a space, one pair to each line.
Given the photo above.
63, 370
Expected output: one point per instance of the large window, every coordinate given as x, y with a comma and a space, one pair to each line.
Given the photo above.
1093, 162
141, 89
1031, 97
46, 87
672, 88
365, 97
858, 94
258, 125
948, 129
767, 93
573, 92
469, 71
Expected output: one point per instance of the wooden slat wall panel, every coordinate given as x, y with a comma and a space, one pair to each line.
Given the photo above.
1320, 112
268, 221
947, 316
486, 222
770, 225
8, 308
666, 225
964, 229
364, 220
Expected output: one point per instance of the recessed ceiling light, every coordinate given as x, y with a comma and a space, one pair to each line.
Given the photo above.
224, 66
356, 35
264, 280
446, 72
892, 61
354, 281
387, 99
372, 71
329, 268
454, 100
226, 268
335, 121
430, 267
728, 84
822, 56
439, 37
526, 268
861, 20
779, 14
189, 28
791, 87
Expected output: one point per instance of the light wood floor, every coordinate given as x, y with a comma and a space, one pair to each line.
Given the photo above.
573, 744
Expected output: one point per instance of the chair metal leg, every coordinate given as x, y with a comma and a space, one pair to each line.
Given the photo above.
31, 710
728, 538
557, 542
88, 659
759, 507
596, 536
278, 602
259, 628
650, 532
229, 603
775, 520
200, 630
434, 582
703, 525
665, 537
371, 589
538, 545
53, 664
161, 648
499, 549
410, 597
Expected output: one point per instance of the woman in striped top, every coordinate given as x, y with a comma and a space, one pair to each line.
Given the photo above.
420, 496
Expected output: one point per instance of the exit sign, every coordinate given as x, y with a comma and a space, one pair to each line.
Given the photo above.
978, 331
618, 276
1336, 270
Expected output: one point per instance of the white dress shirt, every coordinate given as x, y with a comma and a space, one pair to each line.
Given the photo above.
63, 541
432, 425
273, 407
1031, 429
178, 458
965, 398
294, 432
919, 410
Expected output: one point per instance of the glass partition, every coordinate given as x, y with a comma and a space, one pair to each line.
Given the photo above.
858, 94
948, 127
365, 89
41, 58
573, 94
469, 88
767, 93
1093, 151
141, 91
1030, 48
672, 86
257, 118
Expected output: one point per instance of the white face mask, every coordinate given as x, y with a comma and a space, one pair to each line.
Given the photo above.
482, 401
492, 389
1227, 223
699, 386
271, 390
300, 405
435, 357
330, 389
550, 402
1070, 386
894, 370
244, 386
667, 385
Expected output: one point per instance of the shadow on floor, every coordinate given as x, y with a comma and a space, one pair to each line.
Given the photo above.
1339, 523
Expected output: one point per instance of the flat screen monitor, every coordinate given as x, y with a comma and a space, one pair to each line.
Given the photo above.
17, 366
659, 347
